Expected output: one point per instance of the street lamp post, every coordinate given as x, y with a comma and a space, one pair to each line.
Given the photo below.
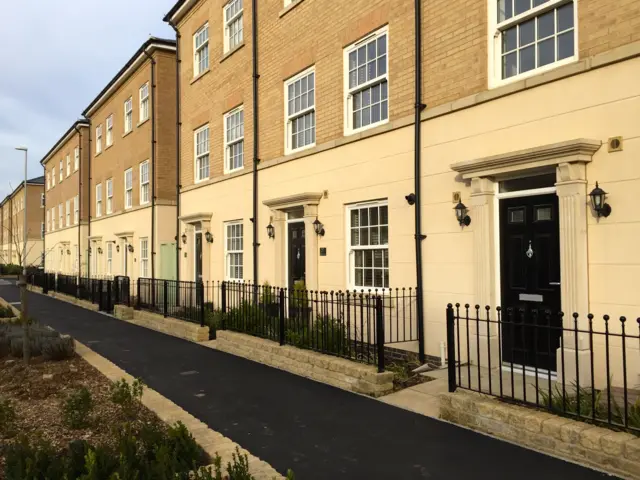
26, 350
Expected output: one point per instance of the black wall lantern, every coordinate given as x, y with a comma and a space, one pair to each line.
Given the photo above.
118, 248
318, 227
598, 197
411, 198
99, 250
130, 248
461, 214
184, 238
208, 237
271, 231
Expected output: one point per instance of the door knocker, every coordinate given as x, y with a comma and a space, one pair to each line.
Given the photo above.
529, 252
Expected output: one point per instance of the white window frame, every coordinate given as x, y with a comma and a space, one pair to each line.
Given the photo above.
60, 215
495, 41
198, 51
109, 123
76, 159
128, 188
61, 171
48, 180
68, 160
53, 219
42, 200
228, 25
229, 144
48, 221
144, 185
109, 258
229, 252
68, 212
196, 164
349, 92
76, 209
98, 200
144, 102
99, 139
128, 115
144, 259
350, 250
109, 183
289, 118
53, 176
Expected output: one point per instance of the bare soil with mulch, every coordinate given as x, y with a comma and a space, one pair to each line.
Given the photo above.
405, 377
37, 392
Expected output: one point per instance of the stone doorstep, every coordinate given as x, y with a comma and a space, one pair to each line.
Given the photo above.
617, 452
211, 441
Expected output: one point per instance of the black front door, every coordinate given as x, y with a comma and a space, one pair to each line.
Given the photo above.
198, 257
530, 280
297, 267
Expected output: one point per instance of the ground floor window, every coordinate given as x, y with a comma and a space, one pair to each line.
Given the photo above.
144, 257
368, 245
234, 250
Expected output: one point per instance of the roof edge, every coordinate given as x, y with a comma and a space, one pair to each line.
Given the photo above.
64, 139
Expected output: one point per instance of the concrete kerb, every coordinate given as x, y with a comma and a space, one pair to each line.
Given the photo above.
211, 441
578, 442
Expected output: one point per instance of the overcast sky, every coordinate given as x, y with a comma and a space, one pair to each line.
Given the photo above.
55, 57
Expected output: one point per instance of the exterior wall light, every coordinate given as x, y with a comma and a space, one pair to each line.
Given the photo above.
411, 198
118, 248
130, 248
271, 231
461, 214
184, 238
208, 237
318, 227
68, 252
99, 250
598, 197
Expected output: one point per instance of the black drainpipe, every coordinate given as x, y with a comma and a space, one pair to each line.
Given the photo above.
254, 41
153, 166
44, 220
419, 106
79, 200
178, 129
89, 253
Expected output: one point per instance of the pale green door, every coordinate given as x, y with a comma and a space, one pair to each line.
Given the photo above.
168, 261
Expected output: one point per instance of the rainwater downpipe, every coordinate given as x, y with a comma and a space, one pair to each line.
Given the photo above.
89, 252
419, 237
256, 160
79, 200
153, 167
178, 130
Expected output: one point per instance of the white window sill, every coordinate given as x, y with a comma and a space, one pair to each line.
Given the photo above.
228, 53
289, 7
349, 132
108, 146
144, 203
199, 76
235, 170
142, 122
288, 151
496, 82
127, 133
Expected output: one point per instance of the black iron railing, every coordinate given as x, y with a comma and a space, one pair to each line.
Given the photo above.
587, 368
355, 324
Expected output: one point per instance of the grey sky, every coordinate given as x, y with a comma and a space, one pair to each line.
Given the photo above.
55, 57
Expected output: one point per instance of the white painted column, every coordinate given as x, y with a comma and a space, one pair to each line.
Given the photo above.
574, 274
311, 247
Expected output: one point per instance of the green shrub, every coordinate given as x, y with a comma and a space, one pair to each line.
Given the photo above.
37, 460
76, 408
7, 418
60, 348
127, 397
237, 469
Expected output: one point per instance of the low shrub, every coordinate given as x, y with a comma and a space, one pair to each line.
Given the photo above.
60, 348
77, 408
33, 460
6, 312
34, 342
127, 397
7, 418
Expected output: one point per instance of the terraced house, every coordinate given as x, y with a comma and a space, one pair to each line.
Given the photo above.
132, 167
333, 153
12, 210
66, 171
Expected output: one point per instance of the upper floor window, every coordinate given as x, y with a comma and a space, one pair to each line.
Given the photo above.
68, 161
48, 221
110, 196
48, 181
42, 200
61, 172
42, 230
128, 115
234, 140
99, 200
60, 216
233, 24
144, 182
53, 218
531, 36
98, 139
53, 176
76, 209
234, 250
144, 102
202, 153
109, 123
367, 82
128, 188
76, 159
368, 245
201, 50
68, 212
300, 101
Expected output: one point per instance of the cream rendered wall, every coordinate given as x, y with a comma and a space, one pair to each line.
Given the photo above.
68, 240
